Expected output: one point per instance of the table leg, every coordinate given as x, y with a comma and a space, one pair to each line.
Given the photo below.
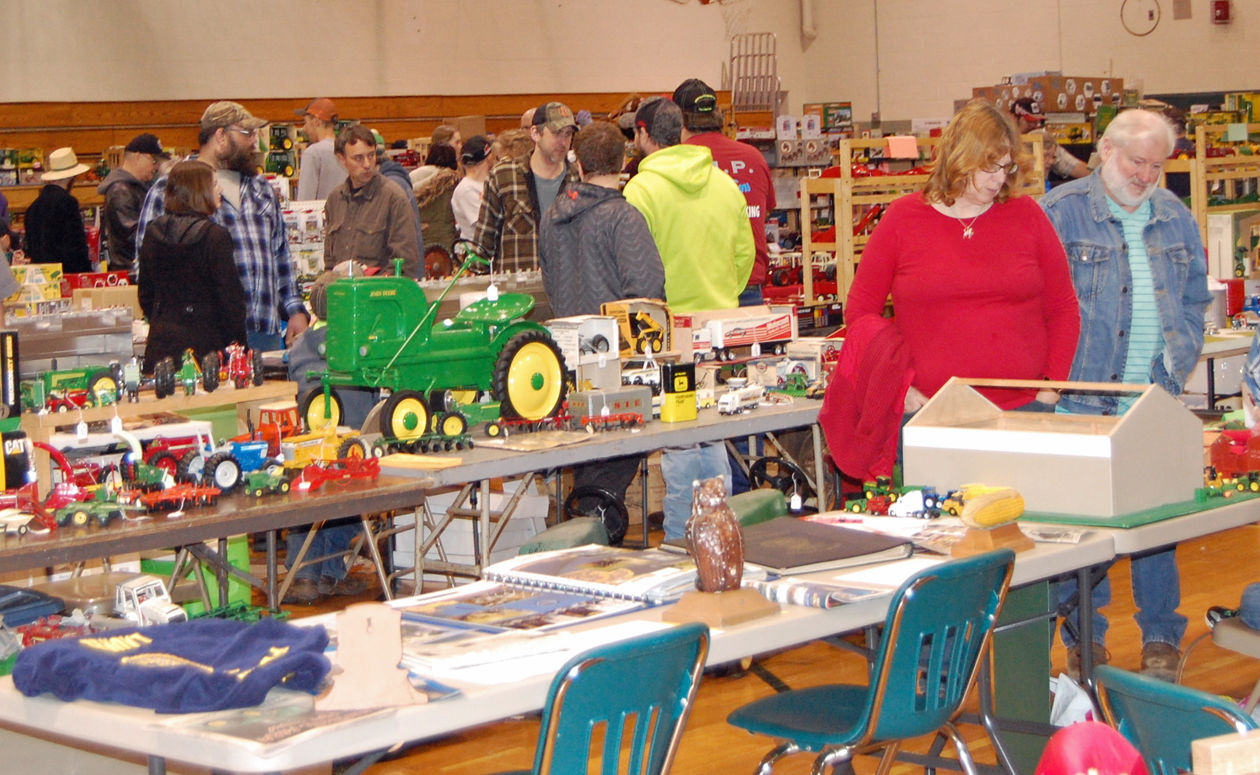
643, 484
273, 602
1211, 384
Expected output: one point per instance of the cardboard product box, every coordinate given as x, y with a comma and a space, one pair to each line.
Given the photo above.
764, 371
110, 279
32, 309
599, 373
629, 312
103, 298
1085, 465
37, 273
584, 337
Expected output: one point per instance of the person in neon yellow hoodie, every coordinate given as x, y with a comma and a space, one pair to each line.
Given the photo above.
699, 220
694, 212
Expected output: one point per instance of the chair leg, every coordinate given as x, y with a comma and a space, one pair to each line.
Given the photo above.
1253, 699
839, 759
888, 757
767, 761
964, 753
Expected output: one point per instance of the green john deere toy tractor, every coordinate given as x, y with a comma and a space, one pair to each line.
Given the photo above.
383, 333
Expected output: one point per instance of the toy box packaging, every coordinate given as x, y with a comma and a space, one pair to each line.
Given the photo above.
643, 325
110, 279
588, 344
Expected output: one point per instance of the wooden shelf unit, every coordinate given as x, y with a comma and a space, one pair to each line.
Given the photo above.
853, 197
1231, 174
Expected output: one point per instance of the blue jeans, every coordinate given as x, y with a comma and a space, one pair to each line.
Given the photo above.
335, 536
751, 297
257, 340
681, 467
1156, 593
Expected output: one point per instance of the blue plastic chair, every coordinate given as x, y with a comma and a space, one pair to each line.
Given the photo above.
1161, 718
639, 690
938, 629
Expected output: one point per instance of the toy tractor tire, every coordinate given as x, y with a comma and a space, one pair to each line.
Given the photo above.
354, 448
285, 486
405, 416
655, 343
167, 461
452, 424
495, 430
210, 371
529, 377
437, 262
595, 501
640, 345
223, 471
80, 517
318, 414
600, 343
256, 368
103, 388
192, 466
164, 378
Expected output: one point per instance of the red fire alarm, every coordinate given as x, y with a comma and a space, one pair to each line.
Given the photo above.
1220, 11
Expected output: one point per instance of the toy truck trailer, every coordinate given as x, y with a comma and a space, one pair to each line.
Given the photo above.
741, 399
716, 337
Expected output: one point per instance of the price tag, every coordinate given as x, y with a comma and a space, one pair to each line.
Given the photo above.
602, 360
81, 431
756, 349
115, 425
795, 503
492, 292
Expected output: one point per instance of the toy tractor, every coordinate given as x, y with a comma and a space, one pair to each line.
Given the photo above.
384, 333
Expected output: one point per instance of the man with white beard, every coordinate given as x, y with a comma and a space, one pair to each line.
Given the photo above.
1141, 279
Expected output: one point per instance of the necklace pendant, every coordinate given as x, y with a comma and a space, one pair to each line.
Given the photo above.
967, 232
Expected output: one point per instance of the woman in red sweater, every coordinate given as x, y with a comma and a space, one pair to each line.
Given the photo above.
978, 277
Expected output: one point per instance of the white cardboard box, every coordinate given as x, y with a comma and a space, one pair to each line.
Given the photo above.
1085, 465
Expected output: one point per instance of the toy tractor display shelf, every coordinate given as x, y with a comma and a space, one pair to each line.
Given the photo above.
383, 333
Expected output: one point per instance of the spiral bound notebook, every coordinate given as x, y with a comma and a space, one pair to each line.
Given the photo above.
645, 575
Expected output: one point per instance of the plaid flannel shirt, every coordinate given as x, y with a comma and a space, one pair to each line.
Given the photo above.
507, 228
259, 247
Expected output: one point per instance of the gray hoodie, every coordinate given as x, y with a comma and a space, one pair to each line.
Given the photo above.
595, 247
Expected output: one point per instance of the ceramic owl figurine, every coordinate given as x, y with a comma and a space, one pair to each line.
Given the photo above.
714, 538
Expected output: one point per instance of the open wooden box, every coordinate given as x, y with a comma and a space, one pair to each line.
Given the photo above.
1088, 465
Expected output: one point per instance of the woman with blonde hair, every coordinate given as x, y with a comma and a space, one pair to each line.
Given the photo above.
979, 280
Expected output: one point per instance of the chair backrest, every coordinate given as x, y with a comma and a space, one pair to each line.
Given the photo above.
641, 690
1161, 718
938, 628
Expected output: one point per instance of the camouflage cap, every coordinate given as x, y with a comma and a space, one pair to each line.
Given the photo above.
554, 116
227, 113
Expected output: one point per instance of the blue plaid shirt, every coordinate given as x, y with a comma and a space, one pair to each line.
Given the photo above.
259, 247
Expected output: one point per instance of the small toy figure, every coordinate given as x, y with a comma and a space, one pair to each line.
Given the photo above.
131, 380
189, 373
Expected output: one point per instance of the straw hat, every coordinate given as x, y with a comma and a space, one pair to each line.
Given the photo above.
62, 164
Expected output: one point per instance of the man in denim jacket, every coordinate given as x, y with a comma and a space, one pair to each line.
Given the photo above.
1141, 278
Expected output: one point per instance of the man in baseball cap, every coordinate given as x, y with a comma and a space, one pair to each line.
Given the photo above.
520, 190
319, 173
1029, 117
124, 189
251, 212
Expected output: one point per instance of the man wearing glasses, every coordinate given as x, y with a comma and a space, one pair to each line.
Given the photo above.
228, 142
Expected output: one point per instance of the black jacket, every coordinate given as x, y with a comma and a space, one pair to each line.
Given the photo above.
190, 290
124, 194
54, 231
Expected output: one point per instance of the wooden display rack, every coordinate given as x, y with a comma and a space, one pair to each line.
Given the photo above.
40, 427
1231, 173
854, 197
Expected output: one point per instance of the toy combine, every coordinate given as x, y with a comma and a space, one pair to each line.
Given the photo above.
383, 333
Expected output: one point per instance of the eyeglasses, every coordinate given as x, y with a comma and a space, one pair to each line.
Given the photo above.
246, 132
1005, 169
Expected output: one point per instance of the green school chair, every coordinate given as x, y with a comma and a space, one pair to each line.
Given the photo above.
936, 634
